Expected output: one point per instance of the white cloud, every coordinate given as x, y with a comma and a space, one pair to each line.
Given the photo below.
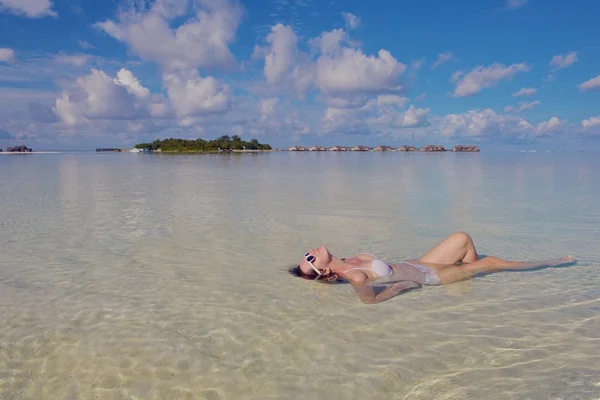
279, 118
96, 96
346, 102
381, 113
522, 106
548, 128
443, 58
201, 41
126, 79
352, 21
563, 61
345, 120
525, 92
337, 71
192, 95
78, 60
281, 53
484, 77
353, 72
7, 55
267, 106
391, 99
590, 122
489, 124
329, 42
514, 4
413, 117
592, 84
29, 8
285, 67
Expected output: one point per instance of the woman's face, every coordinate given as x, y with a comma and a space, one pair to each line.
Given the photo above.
319, 258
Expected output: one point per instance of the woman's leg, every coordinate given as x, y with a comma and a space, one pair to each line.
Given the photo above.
455, 273
458, 247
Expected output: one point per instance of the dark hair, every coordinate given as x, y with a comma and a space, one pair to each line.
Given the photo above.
297, 271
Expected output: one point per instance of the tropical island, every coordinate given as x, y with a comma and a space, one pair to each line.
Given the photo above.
223, 143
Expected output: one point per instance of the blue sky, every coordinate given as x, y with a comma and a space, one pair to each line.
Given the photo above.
503, 74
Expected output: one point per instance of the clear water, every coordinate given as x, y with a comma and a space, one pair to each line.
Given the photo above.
129, 276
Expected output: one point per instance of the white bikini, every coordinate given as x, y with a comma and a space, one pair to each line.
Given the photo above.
407, 271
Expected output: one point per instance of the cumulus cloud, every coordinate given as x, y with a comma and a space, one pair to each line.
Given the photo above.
353, 72
97, 96
484, 77
329, 42
413, 117
377, 114
525, 92
192, 95
592, 122
443, 58
591, 127
201, 41
28, 8
7, 55
592, 84
281, 53
548, 128
352, 21
514, 4
338, 71
285, 67
350, 121
126, 79
487, 123
522, 106
563, 60
276, 117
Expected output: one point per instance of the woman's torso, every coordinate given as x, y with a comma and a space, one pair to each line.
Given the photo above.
377, 269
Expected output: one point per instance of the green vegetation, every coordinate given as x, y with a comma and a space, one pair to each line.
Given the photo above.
225, 142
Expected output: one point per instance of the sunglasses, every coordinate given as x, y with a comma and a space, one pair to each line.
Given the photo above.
310, 258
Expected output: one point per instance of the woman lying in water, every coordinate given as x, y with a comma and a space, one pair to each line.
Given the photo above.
454, 259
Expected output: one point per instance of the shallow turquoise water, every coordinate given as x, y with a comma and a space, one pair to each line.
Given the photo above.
159, 276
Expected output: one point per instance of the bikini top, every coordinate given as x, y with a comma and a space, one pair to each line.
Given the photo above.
378, 266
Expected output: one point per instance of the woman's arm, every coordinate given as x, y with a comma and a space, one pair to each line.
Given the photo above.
367, 293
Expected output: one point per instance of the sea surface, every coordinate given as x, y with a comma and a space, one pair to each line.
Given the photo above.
156, 276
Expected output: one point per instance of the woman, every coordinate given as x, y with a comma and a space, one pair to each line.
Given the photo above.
454, 259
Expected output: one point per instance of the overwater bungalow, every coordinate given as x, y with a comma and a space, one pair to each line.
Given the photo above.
383, 148
297, 148
432, 148
360, 148
406, 148
338, 148
465, 148
317, 148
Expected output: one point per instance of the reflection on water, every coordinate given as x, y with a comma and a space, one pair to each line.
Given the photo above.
163, 277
